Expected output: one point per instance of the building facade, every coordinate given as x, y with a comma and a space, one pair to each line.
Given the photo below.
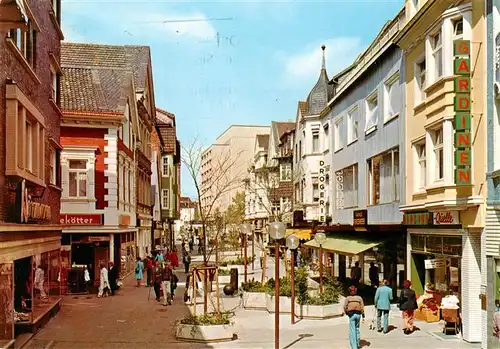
188, 225
310, 145
170, 165
30, 233
446, 151
100, 134
492, 239
231, 153
365, 159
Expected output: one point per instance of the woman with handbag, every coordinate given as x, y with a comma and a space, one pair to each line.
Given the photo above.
408, 304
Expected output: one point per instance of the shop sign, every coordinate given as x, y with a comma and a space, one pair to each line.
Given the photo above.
322, 191
462, 108
92, 238
446, 218
434, 263
28, 211
417, 218
360, 218
81, 219
339, 190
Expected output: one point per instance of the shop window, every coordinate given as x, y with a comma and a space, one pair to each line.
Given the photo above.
434, 244
418, 242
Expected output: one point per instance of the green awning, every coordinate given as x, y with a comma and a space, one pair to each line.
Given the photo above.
344, 245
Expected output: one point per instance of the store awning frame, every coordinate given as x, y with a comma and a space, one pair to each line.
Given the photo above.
349, 246
301, 233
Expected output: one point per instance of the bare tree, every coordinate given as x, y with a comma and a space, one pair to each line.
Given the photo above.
210, 192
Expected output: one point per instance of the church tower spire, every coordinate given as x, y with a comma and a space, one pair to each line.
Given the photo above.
323, 63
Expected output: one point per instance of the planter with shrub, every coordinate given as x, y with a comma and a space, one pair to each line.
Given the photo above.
206, 328
326, 305
224, 276
285, 292
254, 295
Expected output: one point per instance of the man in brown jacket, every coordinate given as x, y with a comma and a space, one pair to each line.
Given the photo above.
354, 307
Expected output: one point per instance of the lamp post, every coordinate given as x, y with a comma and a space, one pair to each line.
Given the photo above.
292, 242
320, 239
277, 231
246, 229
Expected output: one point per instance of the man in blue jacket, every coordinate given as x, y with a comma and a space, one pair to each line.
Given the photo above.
383, 298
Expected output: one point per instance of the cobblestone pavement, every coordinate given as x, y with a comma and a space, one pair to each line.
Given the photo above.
126, 320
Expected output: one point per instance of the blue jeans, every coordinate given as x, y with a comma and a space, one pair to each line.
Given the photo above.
354, 335
385, 314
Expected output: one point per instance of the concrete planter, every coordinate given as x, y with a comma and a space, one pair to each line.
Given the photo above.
254, 300
285, 304
205, 334
308, 311
240, 267
224, 279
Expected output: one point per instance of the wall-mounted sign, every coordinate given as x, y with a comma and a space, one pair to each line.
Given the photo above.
434, 263
360, 218
94, 238
339, 190
322, 191
417, 218
462, 108
81, 219
28, 211
446, 218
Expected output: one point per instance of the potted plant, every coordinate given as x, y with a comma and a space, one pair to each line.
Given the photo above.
211, 327
320, 306
285, 292
254, 295
239, 263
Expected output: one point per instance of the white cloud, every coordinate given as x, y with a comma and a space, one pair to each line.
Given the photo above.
304, 66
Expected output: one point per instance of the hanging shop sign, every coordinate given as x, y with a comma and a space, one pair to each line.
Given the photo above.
339, 190
434, 263
81, 219
322, 191
446, 218
360, 218
95, 238
462, 108
28, 211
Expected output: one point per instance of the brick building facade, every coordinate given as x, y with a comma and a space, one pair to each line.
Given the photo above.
29, 168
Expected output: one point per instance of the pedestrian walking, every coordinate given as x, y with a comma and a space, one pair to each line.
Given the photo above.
103, 282
173, 283
173, 258
113, 277
354, 307
356, 274
373, 272
86, 278
383, 298
148, 265
262, 254
187, 261
39, 281
166, 284
139, 268
158, 277
408, 304
159, 257
191, 244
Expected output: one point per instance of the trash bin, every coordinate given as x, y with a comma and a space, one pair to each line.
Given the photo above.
234, 278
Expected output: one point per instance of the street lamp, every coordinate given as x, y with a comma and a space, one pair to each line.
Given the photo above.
320, 239
246, 229
292, 242
277, 231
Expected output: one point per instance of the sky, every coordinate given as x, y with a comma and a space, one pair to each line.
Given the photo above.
218, 63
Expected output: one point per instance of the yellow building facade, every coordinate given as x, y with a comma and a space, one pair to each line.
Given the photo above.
445, 147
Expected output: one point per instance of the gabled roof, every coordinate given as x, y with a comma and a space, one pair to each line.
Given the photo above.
94, 90
133, 58
164, 117
263, 141
165, 122
283, 127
